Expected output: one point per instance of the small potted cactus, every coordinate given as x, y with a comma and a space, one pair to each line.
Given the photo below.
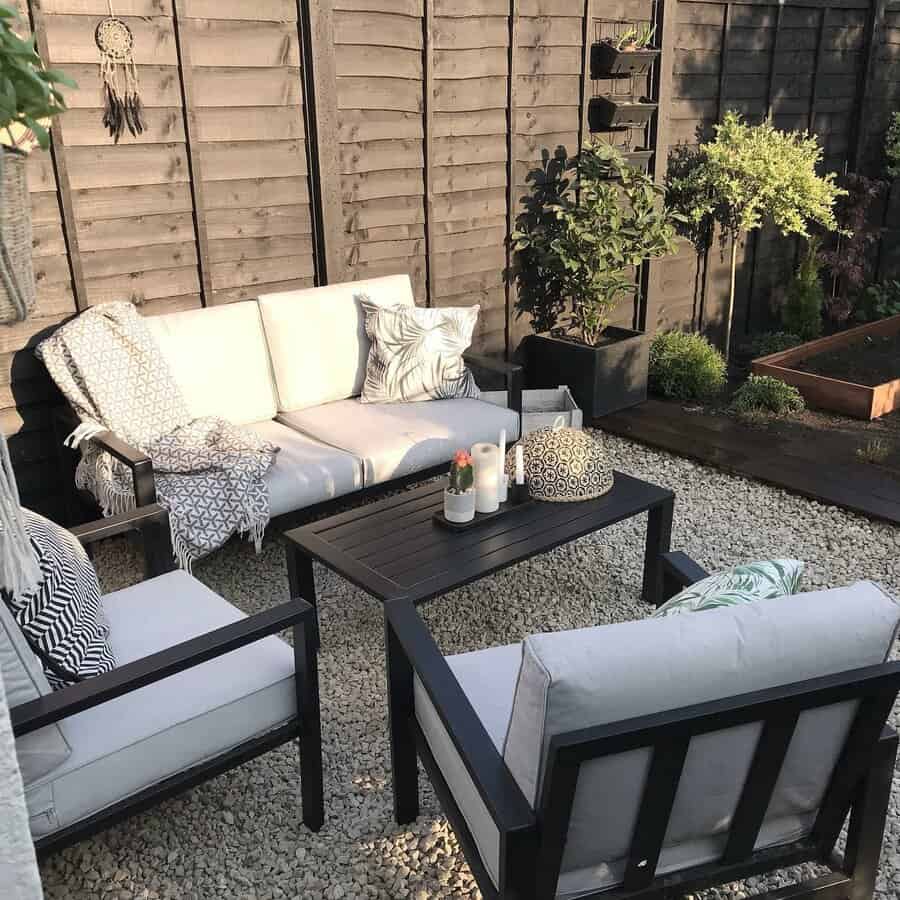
459, 495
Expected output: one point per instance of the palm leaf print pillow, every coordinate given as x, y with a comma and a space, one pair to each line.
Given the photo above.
417, 353
759, 580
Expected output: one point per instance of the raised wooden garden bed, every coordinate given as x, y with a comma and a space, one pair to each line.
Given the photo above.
832, 372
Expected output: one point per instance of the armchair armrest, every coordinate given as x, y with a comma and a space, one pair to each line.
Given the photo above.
28, 717
139, 463
513, 375
679, 571
492, 779
151, 522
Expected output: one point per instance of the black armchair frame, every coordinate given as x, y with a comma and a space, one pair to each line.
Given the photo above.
296, 614
532, 842
65, 421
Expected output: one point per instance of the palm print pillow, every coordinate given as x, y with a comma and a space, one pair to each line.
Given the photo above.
417, 353
740, 584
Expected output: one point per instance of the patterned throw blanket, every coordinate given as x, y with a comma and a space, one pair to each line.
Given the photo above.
209, 473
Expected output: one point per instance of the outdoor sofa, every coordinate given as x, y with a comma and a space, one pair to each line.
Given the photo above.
199, 688
657, 758
291, 366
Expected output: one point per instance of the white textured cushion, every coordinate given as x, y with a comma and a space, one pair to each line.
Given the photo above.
43, 750
396, 439
317, 338
137, 740
306, 471
219, 359
595, 676
488, 678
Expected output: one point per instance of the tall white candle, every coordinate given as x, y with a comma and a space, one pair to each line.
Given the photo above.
520, 464
484, 459
502, 480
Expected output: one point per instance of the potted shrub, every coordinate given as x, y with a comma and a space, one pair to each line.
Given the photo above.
575, 254
28, 98
459, 495
750, 175
607, 112
630, 53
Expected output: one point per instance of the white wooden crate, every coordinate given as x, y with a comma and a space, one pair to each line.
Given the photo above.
542, 407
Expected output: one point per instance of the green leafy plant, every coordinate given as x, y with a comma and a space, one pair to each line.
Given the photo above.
805, 297
875, 451
685, 366
634, 37
753, 174
892, 147
768, 342
462, 473
764, 394
879, 301
575, 247
28, 91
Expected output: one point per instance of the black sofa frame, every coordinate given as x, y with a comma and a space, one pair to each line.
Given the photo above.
65, 421
532, 844
152, 525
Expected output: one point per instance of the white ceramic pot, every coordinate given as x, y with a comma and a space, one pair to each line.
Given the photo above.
459, 508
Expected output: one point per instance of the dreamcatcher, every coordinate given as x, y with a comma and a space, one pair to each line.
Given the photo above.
122, 108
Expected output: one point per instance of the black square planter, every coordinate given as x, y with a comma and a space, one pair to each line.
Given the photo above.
602, 379
618, 112
607, 60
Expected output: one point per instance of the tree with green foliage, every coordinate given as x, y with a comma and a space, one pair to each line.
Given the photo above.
753, 174
28, 91
589, 222
805, 297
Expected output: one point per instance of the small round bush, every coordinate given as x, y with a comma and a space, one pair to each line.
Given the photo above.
762, 393
685, 367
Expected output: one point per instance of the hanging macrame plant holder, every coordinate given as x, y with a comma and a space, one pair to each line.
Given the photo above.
118, 73
17, 293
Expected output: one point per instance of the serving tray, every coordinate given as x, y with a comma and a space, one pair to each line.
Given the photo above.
480, 518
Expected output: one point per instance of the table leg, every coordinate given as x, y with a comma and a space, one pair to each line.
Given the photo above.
401, 710
659, 539
302, 580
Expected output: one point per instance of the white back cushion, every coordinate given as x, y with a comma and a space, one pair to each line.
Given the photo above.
219, 359
595, 676
317, 338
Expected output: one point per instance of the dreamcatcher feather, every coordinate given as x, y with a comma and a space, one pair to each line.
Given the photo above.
118, 74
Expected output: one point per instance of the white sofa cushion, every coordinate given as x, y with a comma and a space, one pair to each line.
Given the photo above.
219, 359
610, 673
488, 678
317, 338
43, 750
396, 439
306, 471
135, 741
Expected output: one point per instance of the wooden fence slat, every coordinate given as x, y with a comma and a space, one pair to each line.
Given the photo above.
428, 90
510, 297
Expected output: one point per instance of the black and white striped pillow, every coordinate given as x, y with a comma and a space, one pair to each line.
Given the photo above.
63, 619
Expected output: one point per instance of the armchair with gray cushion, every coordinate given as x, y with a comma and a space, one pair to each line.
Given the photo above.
656, 758
199, 688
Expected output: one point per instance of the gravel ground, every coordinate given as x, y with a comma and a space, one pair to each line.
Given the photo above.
239, 836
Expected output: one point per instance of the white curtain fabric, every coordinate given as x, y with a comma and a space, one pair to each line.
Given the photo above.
19, 878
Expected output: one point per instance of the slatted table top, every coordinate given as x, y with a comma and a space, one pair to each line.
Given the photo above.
394, 549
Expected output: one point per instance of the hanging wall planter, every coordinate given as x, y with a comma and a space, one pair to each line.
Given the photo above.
618, 112
16, 267
607, 60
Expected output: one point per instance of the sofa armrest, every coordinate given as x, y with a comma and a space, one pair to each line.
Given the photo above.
151, 522
139, 463
513, 375
69, 701
679, 571
412, 645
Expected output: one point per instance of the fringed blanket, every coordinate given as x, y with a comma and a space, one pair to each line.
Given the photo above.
209, 473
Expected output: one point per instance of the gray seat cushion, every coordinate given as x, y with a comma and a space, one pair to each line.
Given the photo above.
135, 741
306, 471
23, 677
397, 439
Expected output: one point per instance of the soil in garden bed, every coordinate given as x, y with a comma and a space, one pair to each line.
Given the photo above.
870, 360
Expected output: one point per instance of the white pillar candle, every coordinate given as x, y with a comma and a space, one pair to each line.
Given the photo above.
501, 468
520, 464
484, 459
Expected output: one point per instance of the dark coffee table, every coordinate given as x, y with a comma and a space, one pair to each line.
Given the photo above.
393, 548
